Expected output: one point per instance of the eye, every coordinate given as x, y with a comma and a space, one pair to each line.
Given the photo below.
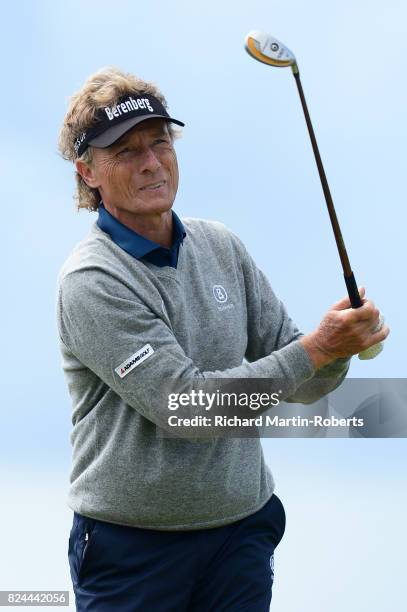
123, 152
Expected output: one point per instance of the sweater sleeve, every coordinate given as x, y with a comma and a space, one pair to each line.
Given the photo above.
103, 323
271, 329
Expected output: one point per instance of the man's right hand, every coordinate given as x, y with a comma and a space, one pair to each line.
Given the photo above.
344, 331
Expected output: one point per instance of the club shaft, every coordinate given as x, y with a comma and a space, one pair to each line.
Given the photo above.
347, 270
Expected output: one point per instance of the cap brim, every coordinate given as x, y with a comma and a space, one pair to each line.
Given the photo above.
116, 131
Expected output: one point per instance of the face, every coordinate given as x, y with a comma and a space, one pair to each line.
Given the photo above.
137, 175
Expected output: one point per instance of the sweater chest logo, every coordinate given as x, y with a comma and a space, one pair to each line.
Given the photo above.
221, 297
134, 360
220, 294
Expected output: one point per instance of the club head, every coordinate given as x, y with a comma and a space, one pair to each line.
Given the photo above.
269, 50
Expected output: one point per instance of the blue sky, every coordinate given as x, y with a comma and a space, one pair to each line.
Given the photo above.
245, 159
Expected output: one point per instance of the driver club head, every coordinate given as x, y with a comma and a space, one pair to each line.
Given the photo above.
269, 50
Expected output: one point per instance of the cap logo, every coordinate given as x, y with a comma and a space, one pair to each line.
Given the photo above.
128, 105
79, 141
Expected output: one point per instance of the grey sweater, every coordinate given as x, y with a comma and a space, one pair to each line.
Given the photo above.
126, 327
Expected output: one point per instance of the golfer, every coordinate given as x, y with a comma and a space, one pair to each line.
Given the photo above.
167, 523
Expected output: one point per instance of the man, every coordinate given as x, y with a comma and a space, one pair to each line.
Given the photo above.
167, 523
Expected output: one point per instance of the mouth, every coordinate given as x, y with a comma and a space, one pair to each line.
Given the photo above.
153, 186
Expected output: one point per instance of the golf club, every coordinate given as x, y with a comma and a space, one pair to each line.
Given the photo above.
268, 50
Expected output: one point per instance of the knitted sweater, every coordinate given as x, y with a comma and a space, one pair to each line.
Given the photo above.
126, 327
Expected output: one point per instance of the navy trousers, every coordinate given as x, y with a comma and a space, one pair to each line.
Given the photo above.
225, 569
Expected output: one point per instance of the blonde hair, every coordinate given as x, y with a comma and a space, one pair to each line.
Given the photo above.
103, 88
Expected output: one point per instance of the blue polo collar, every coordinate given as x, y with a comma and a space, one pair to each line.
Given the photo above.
138, 246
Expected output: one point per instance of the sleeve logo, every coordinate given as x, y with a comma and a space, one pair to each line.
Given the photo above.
134, 360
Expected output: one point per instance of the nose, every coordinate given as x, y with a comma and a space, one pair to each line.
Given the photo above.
149, 161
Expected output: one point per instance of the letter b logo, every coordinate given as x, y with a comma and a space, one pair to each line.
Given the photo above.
220, 294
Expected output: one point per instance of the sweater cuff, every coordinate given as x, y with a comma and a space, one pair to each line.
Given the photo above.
296, 362
335, 368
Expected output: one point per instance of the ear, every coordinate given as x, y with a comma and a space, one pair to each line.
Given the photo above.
87, 173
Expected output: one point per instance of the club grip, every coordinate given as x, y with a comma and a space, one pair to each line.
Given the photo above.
353, 291
356, 302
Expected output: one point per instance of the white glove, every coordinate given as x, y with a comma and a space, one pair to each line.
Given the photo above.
373, 351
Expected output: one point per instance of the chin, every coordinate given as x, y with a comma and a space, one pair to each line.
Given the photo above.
158, 206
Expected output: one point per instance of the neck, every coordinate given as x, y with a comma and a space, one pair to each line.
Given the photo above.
156, 227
